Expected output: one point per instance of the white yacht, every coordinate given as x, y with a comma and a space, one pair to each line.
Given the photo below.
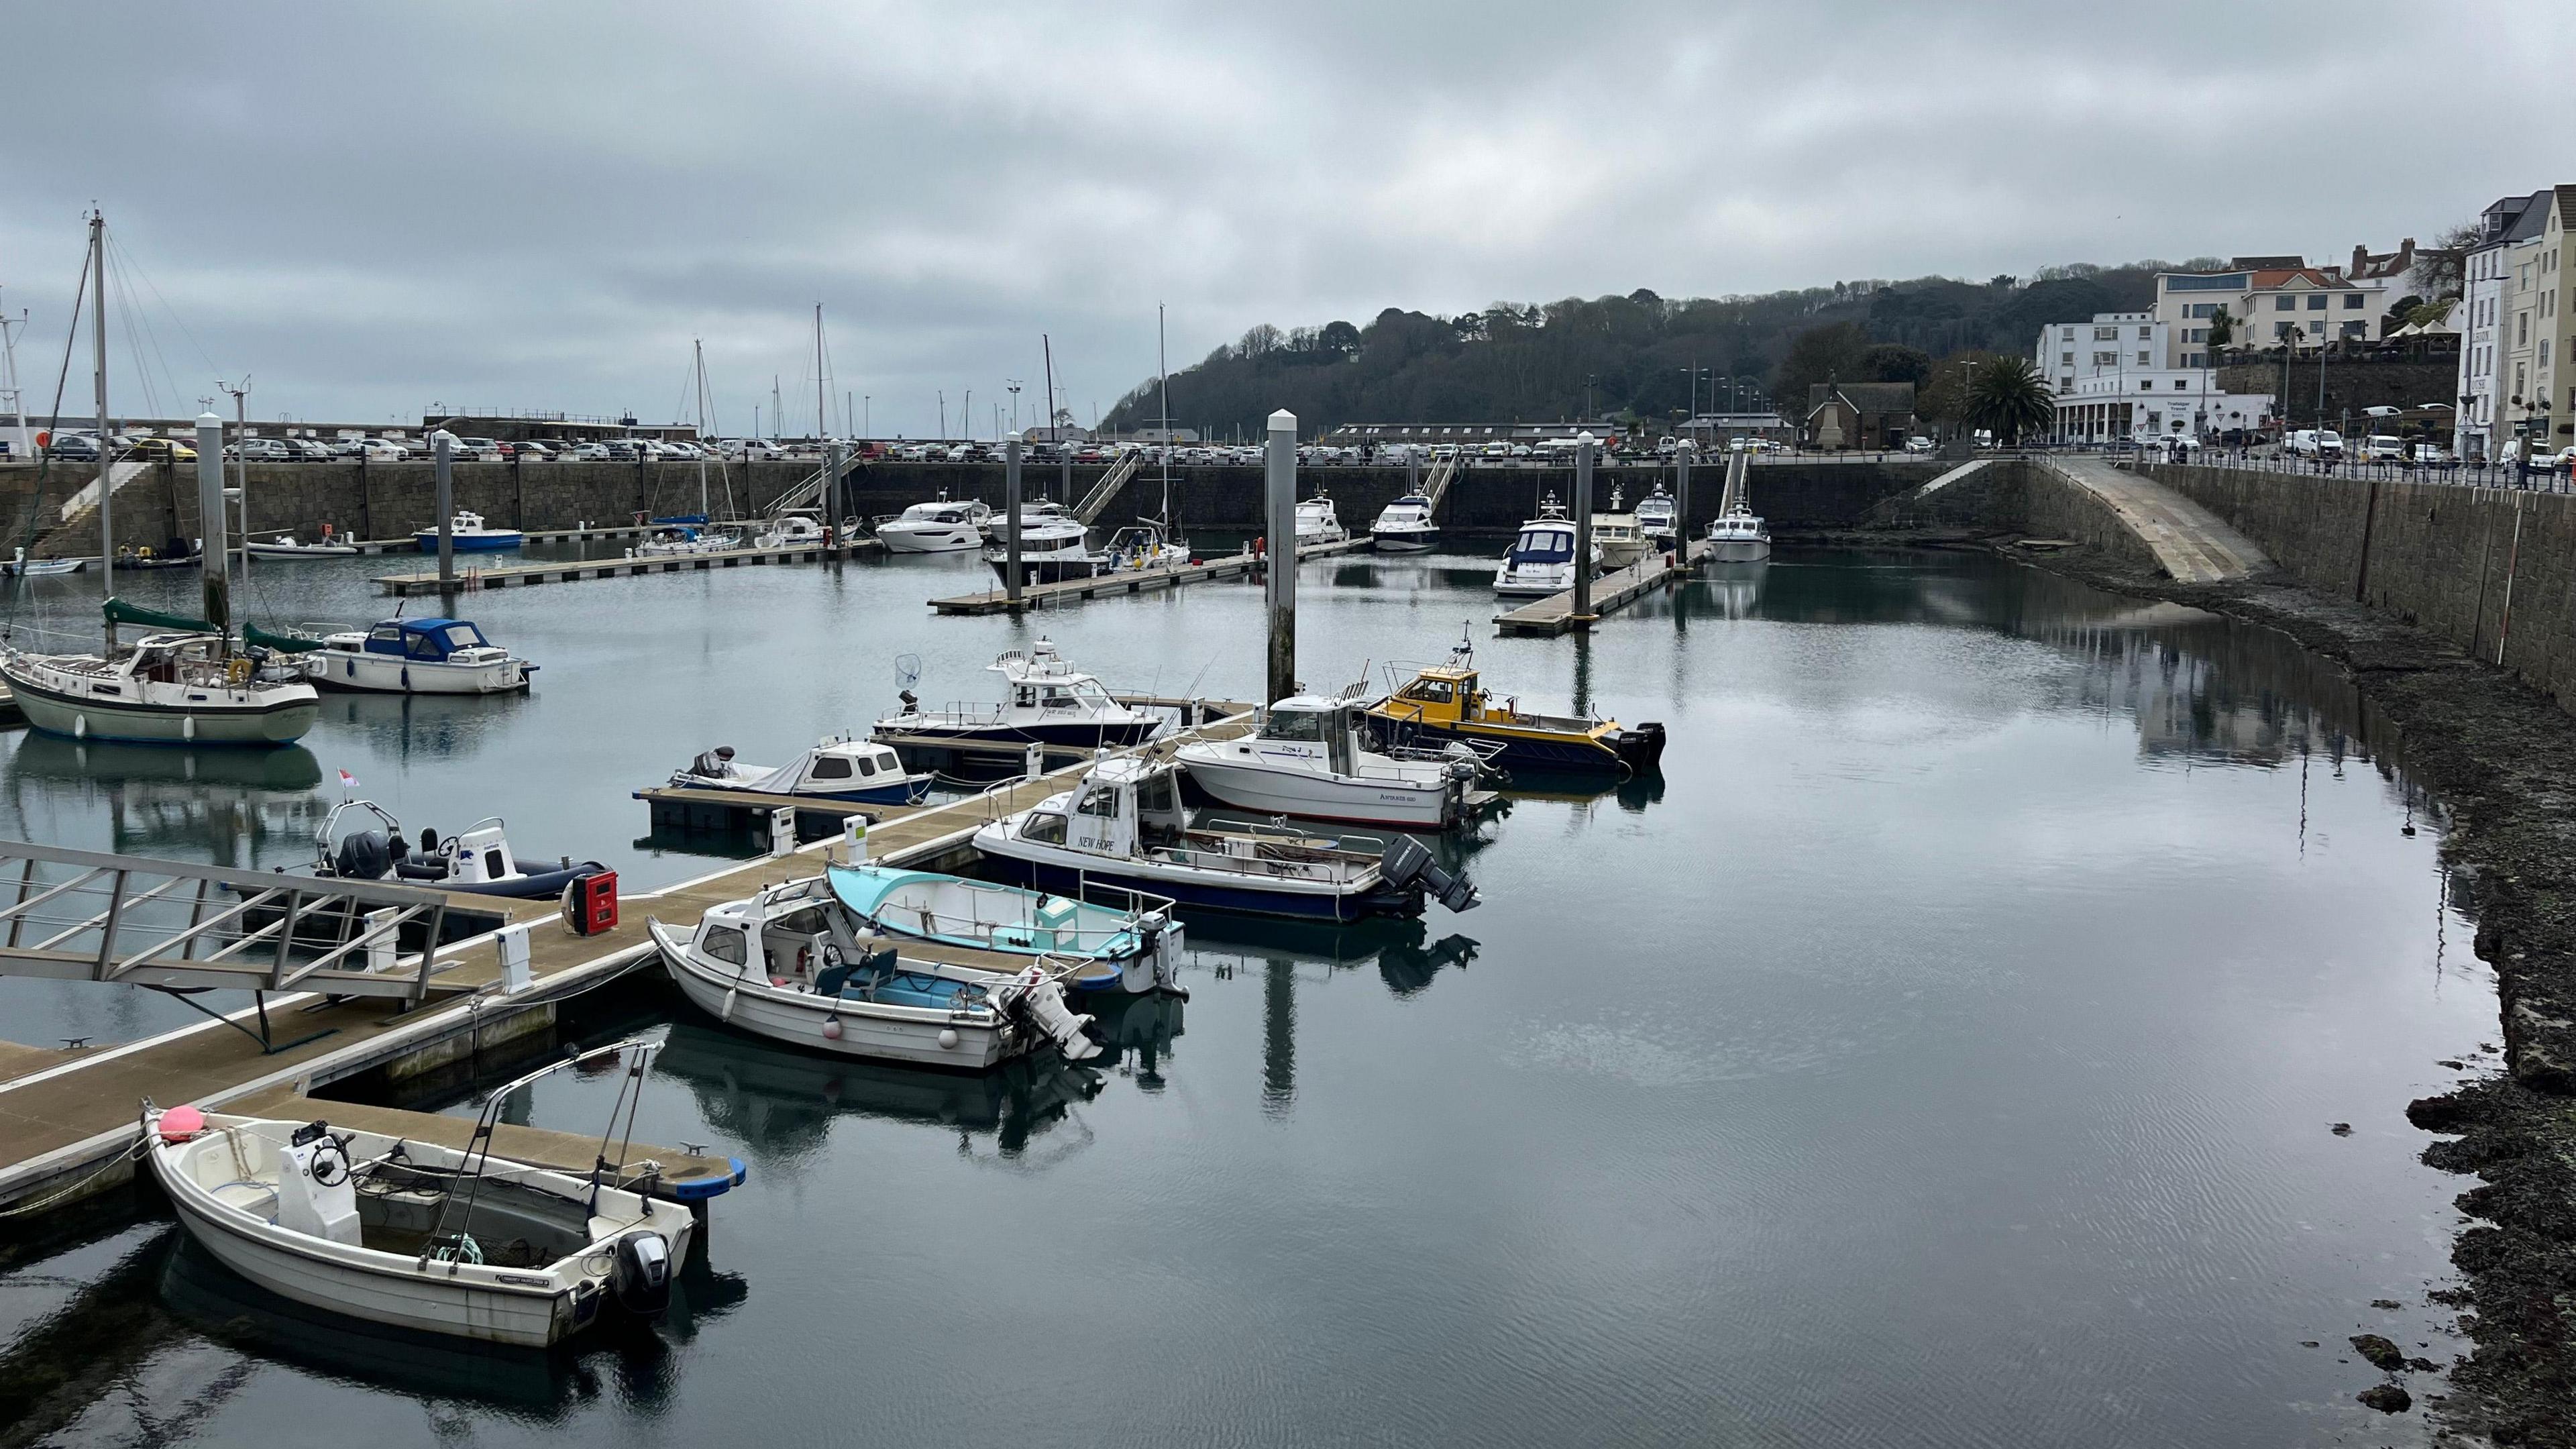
1144, 545
685, 540
1054, 546
1045, 701
940, 526
417, 656
1738, 536
186, 688
1318, 522
1405, 526
1617, 534
1043, 514
1541, 560
790, 530
1656, 521
1308, 759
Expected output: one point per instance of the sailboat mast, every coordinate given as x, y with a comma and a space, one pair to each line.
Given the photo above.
98, 357
698, 363
1163, 369
822, 422
1046, 348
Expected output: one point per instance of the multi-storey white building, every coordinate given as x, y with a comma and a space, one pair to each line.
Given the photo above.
2070, 352
2270, 305
2508, 236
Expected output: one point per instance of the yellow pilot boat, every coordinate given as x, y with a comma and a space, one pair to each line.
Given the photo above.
1445, 702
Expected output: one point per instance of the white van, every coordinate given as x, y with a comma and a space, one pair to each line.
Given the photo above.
2316, 443
2383, 448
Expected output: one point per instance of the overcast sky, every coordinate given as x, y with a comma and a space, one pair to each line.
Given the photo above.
372, 207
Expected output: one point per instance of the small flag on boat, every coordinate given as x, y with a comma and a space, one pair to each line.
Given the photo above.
348, 781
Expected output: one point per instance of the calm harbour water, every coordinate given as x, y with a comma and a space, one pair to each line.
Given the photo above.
1943, 1052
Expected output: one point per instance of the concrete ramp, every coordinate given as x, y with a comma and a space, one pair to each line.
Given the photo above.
2191, 543
1954, 475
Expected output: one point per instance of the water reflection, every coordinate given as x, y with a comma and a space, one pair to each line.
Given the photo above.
779, 1102
221, 806
414, 727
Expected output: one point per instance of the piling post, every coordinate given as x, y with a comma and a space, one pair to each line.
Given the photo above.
1681, 502
1582, 527
1280, 584
1064, 459
1011, 522
214, 564
830, 501
442, 450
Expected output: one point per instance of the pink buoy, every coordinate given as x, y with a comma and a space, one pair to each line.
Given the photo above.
831, 1028
181, 1123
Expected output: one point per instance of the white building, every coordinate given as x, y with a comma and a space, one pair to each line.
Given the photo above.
2508, 231
2301, 306
2070, 352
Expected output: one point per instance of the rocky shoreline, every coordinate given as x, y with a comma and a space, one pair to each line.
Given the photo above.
2501, 757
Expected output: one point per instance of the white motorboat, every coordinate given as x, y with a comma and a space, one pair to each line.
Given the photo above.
1318, 522
1540, 561
790, 530
466, 534
1308, 759
792, 964
417, 1235
940, 526
1738, 536
1054, 546
839, 767
287, 545
417, 656
180, 688
1040, 515
1405, 526
1656, 519
20, 566
1133, 945
1046, 701
1618, 534
1123, 827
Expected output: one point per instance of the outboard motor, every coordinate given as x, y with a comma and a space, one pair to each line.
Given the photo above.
1406, 862
1043, 1007
366, 855
641, 1274
715, 764
1641, 747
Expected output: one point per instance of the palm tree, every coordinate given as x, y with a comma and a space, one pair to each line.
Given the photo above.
2222, 331
2010, 398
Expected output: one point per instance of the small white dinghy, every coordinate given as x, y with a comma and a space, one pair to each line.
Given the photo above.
413, 1234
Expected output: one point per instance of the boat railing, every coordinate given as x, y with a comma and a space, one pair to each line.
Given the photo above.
1130, 917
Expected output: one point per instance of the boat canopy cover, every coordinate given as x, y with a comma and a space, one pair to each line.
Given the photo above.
864, 888
282, 643
423, 638
120, 612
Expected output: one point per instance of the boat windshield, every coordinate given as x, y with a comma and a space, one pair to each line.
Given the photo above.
1294, 724
463, 636
1543, 545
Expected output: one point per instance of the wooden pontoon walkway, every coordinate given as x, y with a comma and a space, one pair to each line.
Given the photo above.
1133, 581
65, 1114
1611, 592
574, 571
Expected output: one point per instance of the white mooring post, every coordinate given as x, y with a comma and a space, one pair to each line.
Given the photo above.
1036, 762
1582, 527
1681, 502
1011, 522
216, 564
442, 446
854, 836
516, 974
782, 830
381, 939
1280, 592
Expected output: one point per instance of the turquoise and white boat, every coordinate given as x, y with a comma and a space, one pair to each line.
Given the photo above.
1134, 946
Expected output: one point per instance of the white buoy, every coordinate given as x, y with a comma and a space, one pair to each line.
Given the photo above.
831, 1028
947, 1038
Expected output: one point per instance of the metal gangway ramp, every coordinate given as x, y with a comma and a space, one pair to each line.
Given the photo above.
808, 492
1444, 471
1096, 502
86, 916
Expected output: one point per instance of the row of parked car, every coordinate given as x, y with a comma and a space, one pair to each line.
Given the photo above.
84, 448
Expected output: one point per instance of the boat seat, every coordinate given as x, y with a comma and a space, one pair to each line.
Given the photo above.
259, 1199
835, 979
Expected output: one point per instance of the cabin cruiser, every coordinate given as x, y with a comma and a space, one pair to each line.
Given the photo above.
1038, 517
1054, 546
791, 530
1445, 702
422, 1236
1123, 827
796, 965
476, 860
1308, 759
1617, 535
1738, 536
937, 527
1405, 526
466, 534
1541, 559
839, 767
1656, 520
173, 688
1045, 702
1133, 945
417, 656
1317, 522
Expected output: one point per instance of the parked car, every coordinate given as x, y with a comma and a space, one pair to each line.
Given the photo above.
2433, 455
157, 450
261, 450
2316, 443
1920, 444
747, 450
73, 447
2383, 448
531, 451
591, 452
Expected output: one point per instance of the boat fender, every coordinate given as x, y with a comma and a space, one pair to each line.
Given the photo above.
181, 1124
831, 1028
641, 1273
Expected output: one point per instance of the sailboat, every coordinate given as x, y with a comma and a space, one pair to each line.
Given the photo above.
186, 682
